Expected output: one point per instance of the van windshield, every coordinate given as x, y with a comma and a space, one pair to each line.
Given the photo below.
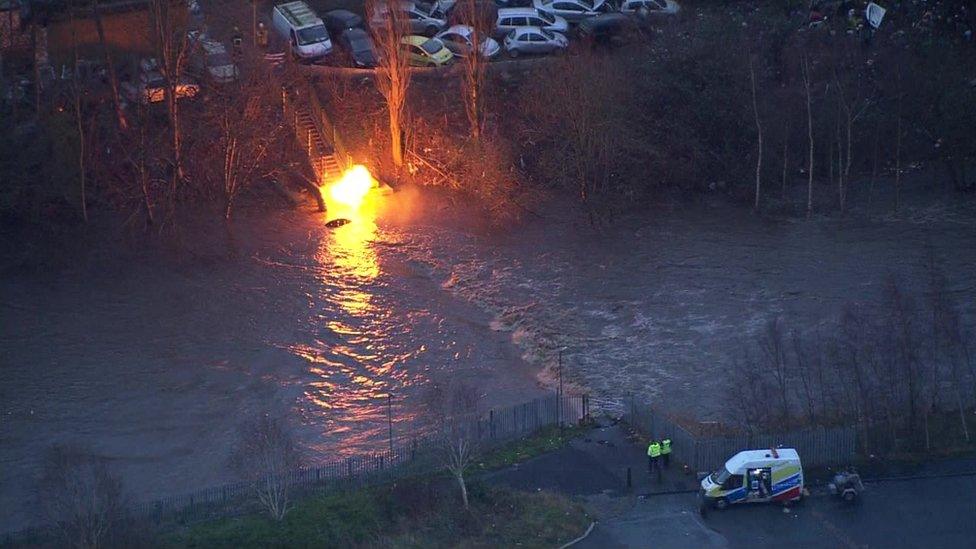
312, 35
720, 475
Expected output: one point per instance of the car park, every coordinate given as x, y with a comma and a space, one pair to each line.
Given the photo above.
426, 52
337, 21
297, 24
358, 45
459, 38
649, 8
534, 40
606, 29
423, 19
509, 19
572, 10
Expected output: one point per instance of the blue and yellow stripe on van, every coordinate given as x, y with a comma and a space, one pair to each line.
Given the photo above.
787, 483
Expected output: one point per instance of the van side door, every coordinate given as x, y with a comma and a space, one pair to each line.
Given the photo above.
759, 484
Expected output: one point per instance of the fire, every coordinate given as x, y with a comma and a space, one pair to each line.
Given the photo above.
349, 191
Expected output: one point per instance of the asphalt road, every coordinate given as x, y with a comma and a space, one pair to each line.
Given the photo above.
934, 513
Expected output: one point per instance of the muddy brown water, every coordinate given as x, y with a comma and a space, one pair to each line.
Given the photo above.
156, 366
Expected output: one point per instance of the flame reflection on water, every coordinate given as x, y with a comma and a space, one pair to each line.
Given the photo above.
355, 359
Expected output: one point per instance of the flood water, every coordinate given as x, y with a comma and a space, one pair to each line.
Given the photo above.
155, 366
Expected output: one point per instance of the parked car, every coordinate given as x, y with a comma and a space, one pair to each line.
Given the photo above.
337, 21
423, 19
511, 18
534, 40
297, 24
151, 88
605, 29
572, 10
458, 39
359, 46
211, 60
650, 7
426, 52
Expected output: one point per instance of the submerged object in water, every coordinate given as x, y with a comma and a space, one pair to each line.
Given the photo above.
337, 222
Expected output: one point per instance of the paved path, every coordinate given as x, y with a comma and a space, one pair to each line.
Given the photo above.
938, 512
935, 513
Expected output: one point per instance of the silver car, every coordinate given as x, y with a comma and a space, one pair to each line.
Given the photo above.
511, 18
572, 10
650, 7
423, 20
534, 40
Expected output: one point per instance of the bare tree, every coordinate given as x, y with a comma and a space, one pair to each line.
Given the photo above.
80, 496
805, 66
392, 73
173, 50
267, 455
475, 65
456, 405
786, 152
853, 106
112, 78
774, 352
242, 133
759, 130
76, 93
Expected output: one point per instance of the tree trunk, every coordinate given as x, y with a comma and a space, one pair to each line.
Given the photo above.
37, 68
874, 161
898, 159
464, 490
76, 89
755, 110
841, 191
786, 154
396, 139
898, 148
112, 78
806, 85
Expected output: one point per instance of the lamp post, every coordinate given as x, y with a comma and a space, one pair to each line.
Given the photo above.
389, 419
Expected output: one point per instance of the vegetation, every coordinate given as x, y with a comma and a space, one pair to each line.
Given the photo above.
413, 513
903, 373
545, 440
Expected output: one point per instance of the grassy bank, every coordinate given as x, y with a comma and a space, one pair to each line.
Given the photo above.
421, 511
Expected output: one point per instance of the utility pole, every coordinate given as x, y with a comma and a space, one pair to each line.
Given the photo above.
389, 419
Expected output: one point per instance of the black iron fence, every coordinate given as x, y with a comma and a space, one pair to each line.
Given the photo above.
421, 454
705, 452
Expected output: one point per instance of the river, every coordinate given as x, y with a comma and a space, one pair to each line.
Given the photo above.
155, 365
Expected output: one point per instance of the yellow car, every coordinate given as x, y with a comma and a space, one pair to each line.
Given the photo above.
426, 52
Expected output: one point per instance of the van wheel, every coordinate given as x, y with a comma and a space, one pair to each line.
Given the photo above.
849, 496
513, 53
721, 504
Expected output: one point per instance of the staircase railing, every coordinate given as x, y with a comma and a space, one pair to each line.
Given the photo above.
325, 126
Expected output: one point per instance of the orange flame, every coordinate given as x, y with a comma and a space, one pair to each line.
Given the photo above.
349, 192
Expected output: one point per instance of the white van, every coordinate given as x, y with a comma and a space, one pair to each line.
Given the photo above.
302, 28
755, 476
